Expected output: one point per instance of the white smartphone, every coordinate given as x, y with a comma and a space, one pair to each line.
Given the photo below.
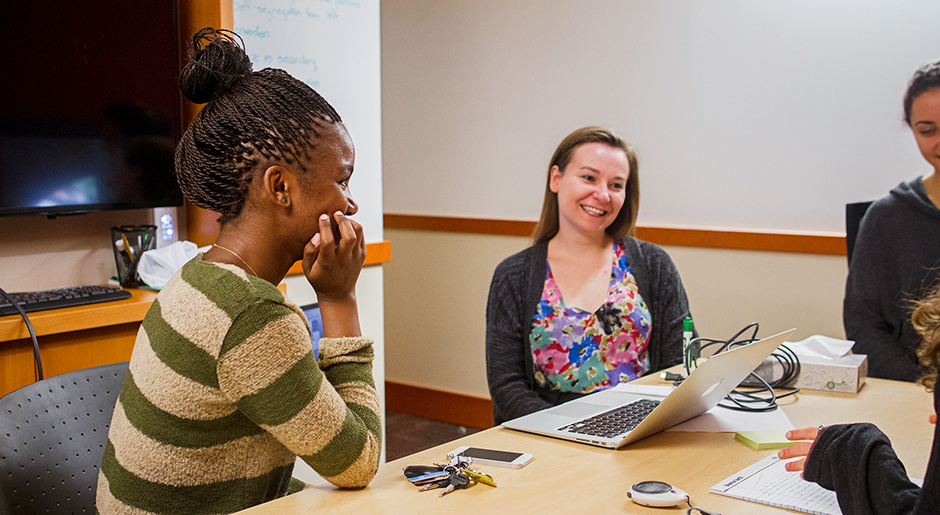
493, 457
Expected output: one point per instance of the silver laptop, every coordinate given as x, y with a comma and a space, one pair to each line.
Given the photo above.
589, 419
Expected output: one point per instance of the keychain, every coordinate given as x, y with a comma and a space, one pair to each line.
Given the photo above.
454, 475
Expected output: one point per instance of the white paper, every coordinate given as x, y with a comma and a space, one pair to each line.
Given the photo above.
649, 390
719, 420
768, 482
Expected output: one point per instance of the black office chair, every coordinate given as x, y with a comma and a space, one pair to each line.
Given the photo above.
853, 218
52, 438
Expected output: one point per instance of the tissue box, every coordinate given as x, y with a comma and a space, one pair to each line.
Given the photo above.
845, 374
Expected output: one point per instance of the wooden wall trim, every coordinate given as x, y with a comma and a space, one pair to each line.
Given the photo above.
453, 224
376, 254
453, 408
745, 240
806, 243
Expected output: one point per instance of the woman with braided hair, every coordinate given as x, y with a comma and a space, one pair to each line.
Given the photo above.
224, 391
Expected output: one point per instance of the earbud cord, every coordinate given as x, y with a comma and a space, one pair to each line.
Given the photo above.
702, 511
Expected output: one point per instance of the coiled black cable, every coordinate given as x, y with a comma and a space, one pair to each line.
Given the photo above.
754, 393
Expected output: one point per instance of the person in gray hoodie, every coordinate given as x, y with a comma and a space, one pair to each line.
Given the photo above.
897, 250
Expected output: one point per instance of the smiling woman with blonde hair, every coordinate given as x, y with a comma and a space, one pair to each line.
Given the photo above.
587, 306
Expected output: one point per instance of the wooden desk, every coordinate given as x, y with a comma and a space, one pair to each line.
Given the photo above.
596, 480
70, 338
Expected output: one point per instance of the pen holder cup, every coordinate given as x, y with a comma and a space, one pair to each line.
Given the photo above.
129, 242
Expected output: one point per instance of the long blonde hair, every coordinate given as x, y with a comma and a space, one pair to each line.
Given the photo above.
926, 320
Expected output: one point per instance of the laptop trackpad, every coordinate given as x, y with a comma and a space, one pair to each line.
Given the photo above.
578, 409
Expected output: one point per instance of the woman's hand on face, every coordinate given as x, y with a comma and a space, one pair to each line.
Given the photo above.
332, 267
800, 450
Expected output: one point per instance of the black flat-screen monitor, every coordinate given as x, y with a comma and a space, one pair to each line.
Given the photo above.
90, 111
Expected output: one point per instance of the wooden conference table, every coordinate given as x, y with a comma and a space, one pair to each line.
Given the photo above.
571, 477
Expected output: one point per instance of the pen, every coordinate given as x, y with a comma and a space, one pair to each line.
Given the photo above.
127, 247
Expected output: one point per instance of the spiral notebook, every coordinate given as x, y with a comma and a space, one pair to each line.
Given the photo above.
768, 482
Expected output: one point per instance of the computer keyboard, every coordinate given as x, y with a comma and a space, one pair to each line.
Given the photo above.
61, 298
615, 422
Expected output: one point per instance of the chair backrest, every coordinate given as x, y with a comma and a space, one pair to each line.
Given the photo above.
853, 218
52, 438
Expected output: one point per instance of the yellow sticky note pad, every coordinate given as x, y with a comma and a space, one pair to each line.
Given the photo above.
764, 440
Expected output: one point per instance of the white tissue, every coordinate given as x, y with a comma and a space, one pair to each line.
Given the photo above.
821, 347
158, 265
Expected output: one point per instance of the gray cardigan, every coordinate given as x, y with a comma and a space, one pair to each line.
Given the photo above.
513, 300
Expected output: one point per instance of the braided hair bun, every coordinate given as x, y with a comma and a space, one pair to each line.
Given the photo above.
217, 60
251, 119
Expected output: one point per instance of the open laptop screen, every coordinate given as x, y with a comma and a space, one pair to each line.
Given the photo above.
312, 312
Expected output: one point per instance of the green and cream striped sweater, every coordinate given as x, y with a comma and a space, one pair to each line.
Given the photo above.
224, 392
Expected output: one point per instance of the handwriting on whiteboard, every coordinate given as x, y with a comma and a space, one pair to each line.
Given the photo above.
277, 33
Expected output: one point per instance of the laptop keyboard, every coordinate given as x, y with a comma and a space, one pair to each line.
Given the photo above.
614, 422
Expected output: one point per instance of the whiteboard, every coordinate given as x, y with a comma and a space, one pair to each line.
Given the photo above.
332, 46
747, 114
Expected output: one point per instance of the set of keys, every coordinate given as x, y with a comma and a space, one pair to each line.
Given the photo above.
455, 475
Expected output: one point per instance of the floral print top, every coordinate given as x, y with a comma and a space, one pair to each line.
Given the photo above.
581, 352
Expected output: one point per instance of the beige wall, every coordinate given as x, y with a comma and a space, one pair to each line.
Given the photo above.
767, 115
37, 253
435, 305
475, 96
437, 282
